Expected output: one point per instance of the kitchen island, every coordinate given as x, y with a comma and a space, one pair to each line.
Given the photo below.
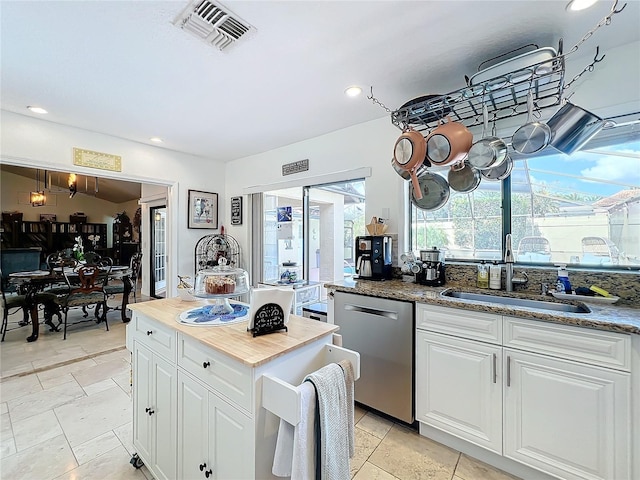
199, 392
536, 392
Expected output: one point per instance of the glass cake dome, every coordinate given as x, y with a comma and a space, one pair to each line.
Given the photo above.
222, 282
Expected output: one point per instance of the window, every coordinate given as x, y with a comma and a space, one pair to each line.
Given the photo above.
582, 209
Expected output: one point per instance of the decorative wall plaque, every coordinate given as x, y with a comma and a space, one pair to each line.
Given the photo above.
91, 159
236, 210
295, 167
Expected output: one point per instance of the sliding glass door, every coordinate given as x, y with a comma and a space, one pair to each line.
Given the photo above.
308, 233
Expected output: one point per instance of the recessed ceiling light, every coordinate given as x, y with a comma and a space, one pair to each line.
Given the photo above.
577, 5
353, 91
156, 139
37, 109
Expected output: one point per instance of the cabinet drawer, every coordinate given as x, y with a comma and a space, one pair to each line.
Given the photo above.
597, 347
485, 327
157, 337
229, 378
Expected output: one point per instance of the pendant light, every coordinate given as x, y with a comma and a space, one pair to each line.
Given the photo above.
37, 198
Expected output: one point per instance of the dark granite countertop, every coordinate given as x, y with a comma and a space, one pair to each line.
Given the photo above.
602, 316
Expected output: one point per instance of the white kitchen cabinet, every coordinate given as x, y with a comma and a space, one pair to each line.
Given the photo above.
564, 392
154, 410
459, 388
208, 401
213, 436
568, 419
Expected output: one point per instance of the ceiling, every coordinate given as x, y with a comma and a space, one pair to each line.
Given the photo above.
122, 68
115, 191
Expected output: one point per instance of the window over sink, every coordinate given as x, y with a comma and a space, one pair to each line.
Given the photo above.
580, 209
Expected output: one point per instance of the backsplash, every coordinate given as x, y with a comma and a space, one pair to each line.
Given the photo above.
625, 285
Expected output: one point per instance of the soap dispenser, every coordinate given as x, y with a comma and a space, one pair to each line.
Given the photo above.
483, 275
563, 285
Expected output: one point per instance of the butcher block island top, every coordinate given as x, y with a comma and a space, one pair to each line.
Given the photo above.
234, 340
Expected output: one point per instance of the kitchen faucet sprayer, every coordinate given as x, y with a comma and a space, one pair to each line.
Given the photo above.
508, 260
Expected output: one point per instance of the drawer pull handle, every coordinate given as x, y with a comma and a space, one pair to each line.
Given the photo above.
208, 473
495, 369
203, 466
149, 332
149, 411
206, 364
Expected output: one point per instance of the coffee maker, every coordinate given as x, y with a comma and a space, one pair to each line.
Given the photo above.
373, 257
432, 271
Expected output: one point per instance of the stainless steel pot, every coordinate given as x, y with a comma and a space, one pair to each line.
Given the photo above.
405, 174
463, 178
500, 172
572, 127
490, 151
435, 192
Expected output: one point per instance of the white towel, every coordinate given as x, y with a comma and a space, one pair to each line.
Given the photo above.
295, 447
349, 381
332, 410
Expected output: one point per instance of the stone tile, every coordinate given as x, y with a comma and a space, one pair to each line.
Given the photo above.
102, 371
120, 353
60, 380
3, 408
19, 386
99, 386
375, 425
61, 356
371, 472
125, 435
31, 464
38, 402
88, 417
358, 413
365, 444
409, 456
471, 469
35, 429
91, 449
124, 382
20, 369
66, 369
112, 465
7, 442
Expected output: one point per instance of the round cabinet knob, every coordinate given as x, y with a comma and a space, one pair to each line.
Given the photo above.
206, 364
149, 332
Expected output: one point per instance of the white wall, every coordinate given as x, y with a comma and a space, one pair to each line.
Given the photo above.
29, 141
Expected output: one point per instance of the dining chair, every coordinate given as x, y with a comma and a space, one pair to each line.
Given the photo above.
85, 288
117, 287
12, 302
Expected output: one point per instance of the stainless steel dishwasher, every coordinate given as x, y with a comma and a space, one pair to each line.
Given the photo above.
382, 331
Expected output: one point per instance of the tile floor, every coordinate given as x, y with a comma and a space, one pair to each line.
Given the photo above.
66, 414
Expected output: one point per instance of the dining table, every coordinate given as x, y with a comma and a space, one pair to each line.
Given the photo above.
30, 283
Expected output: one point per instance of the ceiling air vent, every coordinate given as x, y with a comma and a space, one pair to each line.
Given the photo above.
212, 23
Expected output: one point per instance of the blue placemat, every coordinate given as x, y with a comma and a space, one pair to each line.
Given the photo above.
210, 315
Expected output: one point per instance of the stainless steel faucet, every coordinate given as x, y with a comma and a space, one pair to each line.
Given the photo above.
508, 260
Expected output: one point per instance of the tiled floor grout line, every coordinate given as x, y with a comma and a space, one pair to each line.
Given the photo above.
456, 466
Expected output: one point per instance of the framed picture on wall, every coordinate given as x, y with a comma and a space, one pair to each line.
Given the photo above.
203, 209
48, 217
236, 210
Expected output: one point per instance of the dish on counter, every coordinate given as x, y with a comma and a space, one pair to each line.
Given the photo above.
586, 298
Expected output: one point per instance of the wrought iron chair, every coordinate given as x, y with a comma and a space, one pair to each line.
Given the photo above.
117, 287
85, 288
12, 303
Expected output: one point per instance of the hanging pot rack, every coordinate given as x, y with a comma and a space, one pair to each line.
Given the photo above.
505, 96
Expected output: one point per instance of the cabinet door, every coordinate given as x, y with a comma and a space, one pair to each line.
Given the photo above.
165, 410
192, 428
231, 441
142, 399
459, 388
568, 419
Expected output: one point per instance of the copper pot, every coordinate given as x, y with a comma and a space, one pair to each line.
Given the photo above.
449, 143
409, 153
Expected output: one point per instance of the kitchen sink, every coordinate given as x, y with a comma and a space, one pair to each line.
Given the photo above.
517, 302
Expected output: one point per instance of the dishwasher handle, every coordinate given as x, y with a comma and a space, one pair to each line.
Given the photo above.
371, 311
